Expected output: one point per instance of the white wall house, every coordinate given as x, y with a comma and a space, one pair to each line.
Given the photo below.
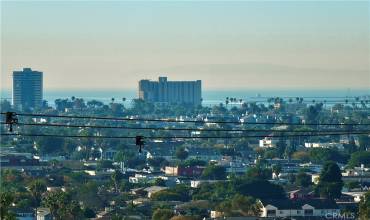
268, 142
291, 208
324, 145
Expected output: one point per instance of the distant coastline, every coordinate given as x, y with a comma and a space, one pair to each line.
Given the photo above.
210, 97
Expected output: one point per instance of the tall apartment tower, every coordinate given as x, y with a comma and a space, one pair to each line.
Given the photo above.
163, 91
27, 89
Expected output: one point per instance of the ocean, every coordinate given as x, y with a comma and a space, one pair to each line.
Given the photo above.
212, 97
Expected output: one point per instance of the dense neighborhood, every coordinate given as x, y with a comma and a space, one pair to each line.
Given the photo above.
261, 175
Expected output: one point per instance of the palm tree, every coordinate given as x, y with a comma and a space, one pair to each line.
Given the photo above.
116, 177
363, 104
37, 188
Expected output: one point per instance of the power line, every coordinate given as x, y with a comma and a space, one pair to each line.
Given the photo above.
176, 137
182, 121
176, 129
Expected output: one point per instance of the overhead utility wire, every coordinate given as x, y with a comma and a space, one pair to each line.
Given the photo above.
174, 129
180, 121
174, 137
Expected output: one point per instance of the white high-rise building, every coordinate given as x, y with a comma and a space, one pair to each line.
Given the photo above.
163, 91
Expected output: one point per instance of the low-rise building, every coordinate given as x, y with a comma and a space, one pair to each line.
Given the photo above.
19, 161
43, 214
194, 171
294, 208
198, 183
268, 142
301, 194
154, 189
24, 213
324, 145
203, 153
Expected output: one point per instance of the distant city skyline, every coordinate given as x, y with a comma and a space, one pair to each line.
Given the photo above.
237, 45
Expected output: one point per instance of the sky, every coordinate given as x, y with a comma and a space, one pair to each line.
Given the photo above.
228, 45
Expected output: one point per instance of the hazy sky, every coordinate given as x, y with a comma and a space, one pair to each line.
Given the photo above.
228, 45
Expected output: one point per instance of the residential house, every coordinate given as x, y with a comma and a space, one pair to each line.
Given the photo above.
108, 154
43, 214
203, 153
268, 142
324, 145
24, 213
303, 193
153, 189
294, 208
357, 196
148, 191
198, 183
194, 171
19, 161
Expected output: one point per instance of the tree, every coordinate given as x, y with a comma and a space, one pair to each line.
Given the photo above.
89, 213
181, 153
281, 147
116, 177
258, 172
105, 164
177, 193
158, 162
301, 155
225, 208
182, 217
159, 182
6, 200
276, 169
246, 205
239, 205
262, 189
5, 105
162, 214
90, 195
303, 180
320, 155
50, 145
193, 162
166, 195
364, 207
358, 158
214, 172
37, 188
62, 206
312, 113
364, 142
330, 181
